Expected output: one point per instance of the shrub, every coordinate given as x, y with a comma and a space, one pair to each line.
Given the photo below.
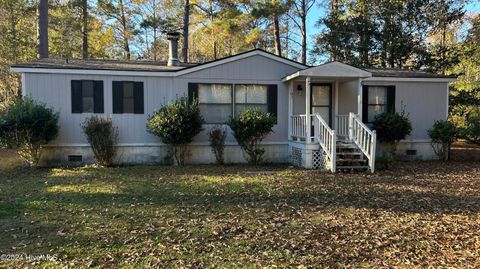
102, 137
471, 132
217, 136
28, 125
249, 128
177, 124
443, 134
391, 128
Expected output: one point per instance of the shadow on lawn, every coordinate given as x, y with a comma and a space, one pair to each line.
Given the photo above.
406, 195
185, 192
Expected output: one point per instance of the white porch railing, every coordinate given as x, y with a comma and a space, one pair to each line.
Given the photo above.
356, 131
342, 125
299, 127
349, 127
327, 139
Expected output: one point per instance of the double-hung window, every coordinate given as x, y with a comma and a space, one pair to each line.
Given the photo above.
377, 100
251, 96
127, 97
87, 96
215, 102
218, 102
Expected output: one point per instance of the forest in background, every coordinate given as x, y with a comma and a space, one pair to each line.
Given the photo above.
436, 35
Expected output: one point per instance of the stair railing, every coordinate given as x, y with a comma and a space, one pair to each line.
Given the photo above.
327, 139
364, 138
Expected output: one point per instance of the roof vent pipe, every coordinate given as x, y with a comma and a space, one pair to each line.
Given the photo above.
172, 38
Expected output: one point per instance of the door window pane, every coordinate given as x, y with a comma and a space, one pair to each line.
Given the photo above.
324, 112
320, 95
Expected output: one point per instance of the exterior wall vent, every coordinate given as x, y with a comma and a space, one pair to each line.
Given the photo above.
75, 158
411, 152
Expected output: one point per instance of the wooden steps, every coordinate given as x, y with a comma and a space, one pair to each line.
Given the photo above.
350, 158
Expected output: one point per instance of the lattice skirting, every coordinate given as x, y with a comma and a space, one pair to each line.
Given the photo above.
296, 156
319, 159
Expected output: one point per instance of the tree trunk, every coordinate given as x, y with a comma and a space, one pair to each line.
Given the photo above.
364, 38
154, 45
304, 31
276, 35
126, 46
85, 29
42, 28
186, 22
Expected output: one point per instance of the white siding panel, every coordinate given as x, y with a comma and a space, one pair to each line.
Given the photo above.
255, 67
348, 97
54, 90
424, 102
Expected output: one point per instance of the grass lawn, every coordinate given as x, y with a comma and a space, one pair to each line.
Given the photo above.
423, 214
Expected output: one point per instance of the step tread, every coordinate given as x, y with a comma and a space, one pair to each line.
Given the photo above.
350, 153
352, 167
351, 160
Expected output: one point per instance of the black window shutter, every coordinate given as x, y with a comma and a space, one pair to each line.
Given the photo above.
98, 96
117, 94
391, 99
365, 104
192, 91
272, 99
77, 102
138, 100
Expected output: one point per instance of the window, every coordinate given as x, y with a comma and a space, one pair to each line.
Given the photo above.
127, 97
321, 101
250, 96
215, 102
218, 102
377, 100
87, 96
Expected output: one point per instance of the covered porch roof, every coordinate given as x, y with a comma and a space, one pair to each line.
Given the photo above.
332, 70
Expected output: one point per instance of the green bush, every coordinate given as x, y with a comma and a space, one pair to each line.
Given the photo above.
249, 128
391, 128
217, 136
102, 137
28, 125
471, 132
443, 134
177, 124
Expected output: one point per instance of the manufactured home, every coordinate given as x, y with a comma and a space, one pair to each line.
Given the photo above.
324, 112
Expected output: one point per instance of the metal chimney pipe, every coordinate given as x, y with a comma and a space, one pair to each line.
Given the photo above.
173, 37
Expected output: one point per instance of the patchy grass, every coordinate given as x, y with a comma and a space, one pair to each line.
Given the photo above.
421, 215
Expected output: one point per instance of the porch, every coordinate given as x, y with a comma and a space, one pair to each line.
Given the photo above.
325, 125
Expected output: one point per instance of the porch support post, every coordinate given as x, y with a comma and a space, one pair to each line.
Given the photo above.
360, 98
308, 120
334, 118
290, 108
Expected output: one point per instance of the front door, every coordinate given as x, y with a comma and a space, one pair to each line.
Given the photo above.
321, 101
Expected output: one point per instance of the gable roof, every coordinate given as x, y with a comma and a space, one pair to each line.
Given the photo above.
143, 68
331, 70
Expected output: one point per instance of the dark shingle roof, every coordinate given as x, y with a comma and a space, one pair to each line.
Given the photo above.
402, 73
96, 64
